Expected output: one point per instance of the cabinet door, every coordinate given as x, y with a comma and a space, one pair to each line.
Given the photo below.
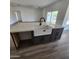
37, 40
41, 39
46, 38
59, 33
56, 34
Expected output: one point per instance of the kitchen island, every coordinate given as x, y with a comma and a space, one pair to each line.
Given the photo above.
38, 33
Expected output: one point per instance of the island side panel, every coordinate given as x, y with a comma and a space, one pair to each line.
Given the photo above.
16, 39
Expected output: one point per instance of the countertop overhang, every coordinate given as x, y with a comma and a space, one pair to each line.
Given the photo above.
22, 27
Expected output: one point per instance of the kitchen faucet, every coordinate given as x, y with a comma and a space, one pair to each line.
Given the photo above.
42, 18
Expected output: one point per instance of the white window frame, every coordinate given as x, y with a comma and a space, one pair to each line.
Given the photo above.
51, 17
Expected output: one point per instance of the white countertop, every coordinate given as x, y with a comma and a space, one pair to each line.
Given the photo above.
19, 27
22, 27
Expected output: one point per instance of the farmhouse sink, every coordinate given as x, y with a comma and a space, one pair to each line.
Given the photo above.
42, 30
44, 27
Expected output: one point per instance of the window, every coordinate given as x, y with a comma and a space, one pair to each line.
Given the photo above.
51, 17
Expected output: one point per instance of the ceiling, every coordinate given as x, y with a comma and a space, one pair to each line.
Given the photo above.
34, 3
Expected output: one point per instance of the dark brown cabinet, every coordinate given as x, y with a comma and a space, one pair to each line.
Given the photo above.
56, 33
41, 39
37, 39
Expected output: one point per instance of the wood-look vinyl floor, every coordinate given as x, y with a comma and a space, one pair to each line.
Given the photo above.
53, 50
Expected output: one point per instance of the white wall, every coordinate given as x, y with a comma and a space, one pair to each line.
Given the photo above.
66, 18
28, 14
61, 6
